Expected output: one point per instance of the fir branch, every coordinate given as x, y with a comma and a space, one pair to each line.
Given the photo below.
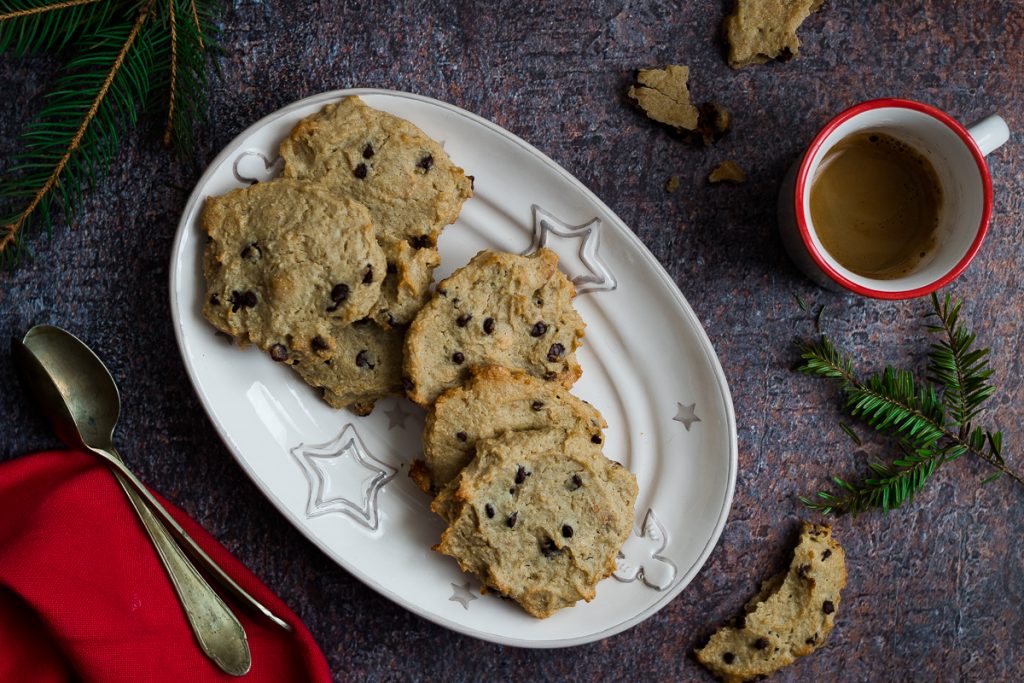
931, 425
29, 26
132, 57
92, 143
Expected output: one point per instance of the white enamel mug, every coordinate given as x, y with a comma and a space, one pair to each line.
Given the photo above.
958, 156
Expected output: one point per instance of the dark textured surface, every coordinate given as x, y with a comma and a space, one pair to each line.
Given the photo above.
935, 591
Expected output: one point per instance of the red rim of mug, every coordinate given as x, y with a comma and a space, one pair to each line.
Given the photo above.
802, 187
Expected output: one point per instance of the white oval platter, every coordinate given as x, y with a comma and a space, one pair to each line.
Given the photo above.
342, 480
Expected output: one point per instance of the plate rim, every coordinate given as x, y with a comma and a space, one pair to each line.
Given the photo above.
653, 264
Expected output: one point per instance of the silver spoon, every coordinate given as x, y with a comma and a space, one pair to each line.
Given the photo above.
75, 390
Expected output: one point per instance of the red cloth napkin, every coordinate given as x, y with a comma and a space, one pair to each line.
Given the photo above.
83, 595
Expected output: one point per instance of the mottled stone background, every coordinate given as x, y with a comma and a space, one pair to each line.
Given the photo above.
935, 590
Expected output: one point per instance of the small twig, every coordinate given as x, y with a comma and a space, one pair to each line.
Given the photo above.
199, 26
168, 131
45, 8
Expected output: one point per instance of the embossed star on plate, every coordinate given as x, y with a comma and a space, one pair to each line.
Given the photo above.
687, 415
344, 477
582, 262
462, 594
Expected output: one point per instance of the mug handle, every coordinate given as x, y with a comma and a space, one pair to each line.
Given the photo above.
990, 133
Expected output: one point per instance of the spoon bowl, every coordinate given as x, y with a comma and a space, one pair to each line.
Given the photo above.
77, 390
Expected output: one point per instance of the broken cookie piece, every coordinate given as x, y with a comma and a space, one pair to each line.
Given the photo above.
727, 172
760, 30
790, 617
664, 97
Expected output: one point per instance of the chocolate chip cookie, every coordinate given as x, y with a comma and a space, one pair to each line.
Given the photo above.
493, 402
366, 366
286, 261
789, 618
407, 181
499, 309
538, 516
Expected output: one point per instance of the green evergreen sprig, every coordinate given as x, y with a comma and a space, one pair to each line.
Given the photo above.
131, 58
931, 423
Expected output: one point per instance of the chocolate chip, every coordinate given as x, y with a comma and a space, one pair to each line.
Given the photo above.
539, 328
510, 521
761, 643
368, 151
339, 292
458, 358
368, 276
802, 570
279, 352
489, 510
421, 242
359, 171
214, 300
392, 268
555, 352
741, 621
812, 640
566, 531
827, 607
550, 375
463, 319
488, 325
363, 360
512, 491
426, 163
537, 406
827, 553
252, 252
472, 182
728, 657
407, 384
318, 343
246, 299
596, 438
442, 291
521, 475
461, 436
576, 482
538, 301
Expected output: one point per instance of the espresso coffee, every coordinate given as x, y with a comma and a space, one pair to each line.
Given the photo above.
875, 204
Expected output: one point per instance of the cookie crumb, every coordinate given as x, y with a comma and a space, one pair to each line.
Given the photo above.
662, 95
760, 30
713, 122
672, 184
727, 172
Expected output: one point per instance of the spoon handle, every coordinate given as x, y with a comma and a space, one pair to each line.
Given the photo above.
218, 631
197, 554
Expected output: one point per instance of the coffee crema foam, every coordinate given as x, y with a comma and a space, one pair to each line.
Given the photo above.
876, 203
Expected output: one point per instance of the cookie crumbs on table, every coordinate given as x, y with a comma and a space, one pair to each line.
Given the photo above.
789, 618
727, 172
672, 184
713, 122
761, 30
662, 95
